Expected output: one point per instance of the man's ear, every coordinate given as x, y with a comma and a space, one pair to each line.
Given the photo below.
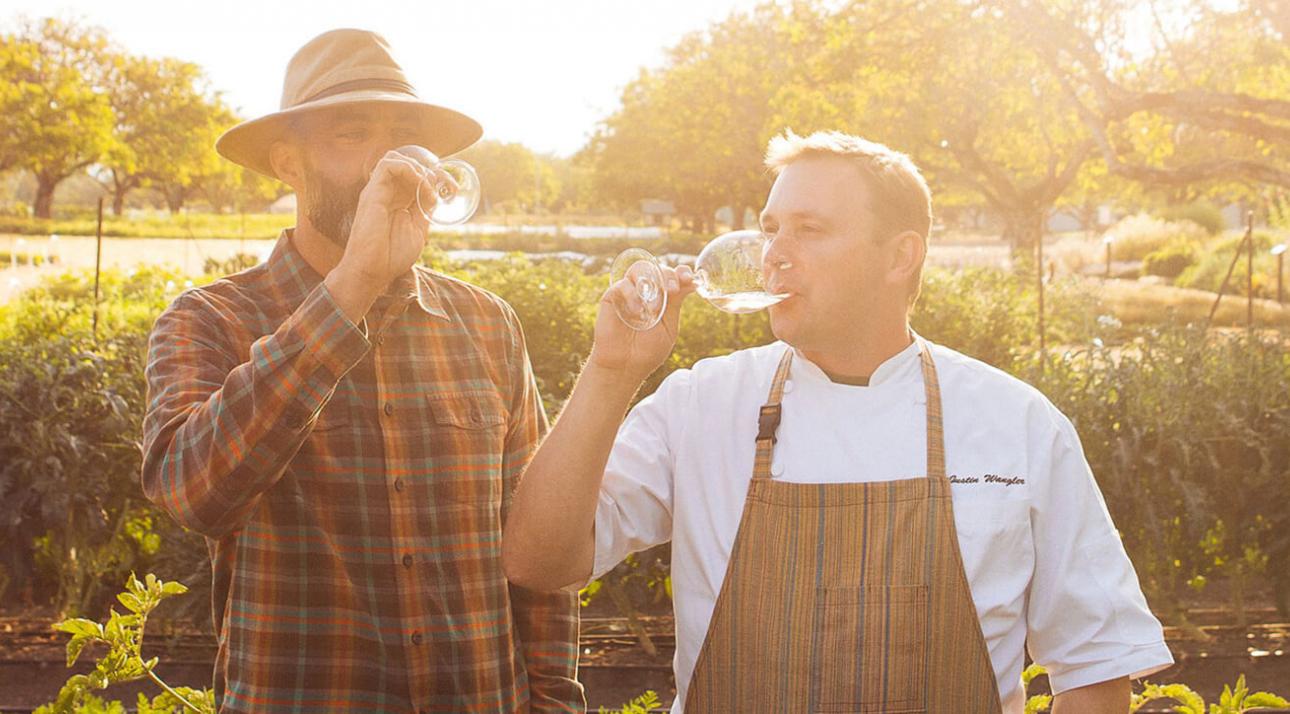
908, 252
288, 163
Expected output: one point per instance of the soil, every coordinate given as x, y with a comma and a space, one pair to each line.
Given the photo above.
615, 666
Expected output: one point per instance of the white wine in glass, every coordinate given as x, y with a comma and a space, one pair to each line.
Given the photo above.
727, 273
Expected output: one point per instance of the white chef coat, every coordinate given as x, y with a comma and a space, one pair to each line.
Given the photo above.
1043, 560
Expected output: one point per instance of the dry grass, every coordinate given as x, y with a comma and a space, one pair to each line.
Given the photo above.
1139, 303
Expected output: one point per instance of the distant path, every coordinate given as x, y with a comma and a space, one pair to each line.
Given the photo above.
77, 252
190, 254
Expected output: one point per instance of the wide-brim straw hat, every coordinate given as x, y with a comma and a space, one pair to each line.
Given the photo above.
343, 67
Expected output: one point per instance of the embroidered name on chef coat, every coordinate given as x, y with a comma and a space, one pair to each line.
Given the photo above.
988, 478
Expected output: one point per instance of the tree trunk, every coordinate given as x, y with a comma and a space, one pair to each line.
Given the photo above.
174, 198
1022, 228
122, 184
43, 205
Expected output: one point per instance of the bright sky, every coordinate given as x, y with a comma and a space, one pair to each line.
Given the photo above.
540, 72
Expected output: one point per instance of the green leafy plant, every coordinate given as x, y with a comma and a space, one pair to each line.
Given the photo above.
1215, 260
1171, 260
1236, 700
233, 264
1139, 235
73, 522
1205, 215
122, 634
1186, 429
643, 704
1037, 702
1231, 701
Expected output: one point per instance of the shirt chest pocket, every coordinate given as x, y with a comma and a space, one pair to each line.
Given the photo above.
463, 443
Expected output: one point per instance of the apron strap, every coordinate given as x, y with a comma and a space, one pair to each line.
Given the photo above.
769, 418
935, 427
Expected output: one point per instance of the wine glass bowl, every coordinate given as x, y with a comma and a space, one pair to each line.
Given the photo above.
647, 300
727, 273
451, 205
441, 202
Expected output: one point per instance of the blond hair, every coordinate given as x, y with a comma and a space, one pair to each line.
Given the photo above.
899, 198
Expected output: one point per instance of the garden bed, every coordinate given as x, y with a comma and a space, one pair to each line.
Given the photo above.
614, 667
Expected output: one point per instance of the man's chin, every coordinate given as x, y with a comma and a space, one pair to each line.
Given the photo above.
783, 323
337, 233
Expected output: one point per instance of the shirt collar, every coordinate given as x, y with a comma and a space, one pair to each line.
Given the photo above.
293, 279
904, 363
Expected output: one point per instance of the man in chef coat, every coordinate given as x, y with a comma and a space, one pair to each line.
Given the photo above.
860, 520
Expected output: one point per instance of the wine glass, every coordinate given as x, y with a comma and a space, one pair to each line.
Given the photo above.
452, 205
727, 274
443, 203
649, 299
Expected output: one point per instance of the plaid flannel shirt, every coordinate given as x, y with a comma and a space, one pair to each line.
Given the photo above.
352, 481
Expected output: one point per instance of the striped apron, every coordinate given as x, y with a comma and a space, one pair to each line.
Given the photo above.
847, 597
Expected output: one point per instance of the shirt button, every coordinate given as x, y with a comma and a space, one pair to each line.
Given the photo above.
788, 386
398, 485
416, 638
407, 560
777, 468
380, 340
389, 408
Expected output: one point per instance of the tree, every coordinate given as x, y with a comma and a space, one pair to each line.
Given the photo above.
192, 161
1177, 118
17, 59
695, 130
60, 120
237, 188
511, 175
574, 180
162, 111
939, 80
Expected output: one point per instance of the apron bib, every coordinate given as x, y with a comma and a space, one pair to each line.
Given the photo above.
845, 597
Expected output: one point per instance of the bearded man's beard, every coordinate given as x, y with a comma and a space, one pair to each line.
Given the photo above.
331, 205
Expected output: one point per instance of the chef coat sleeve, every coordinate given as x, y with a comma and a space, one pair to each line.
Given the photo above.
634, 511
1087, 619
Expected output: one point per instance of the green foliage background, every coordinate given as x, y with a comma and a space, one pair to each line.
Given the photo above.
1185, 431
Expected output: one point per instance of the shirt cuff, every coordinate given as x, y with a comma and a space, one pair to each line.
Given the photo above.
328, 337
603, 535
1138, 662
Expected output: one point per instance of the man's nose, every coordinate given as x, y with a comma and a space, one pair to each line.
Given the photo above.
775, 251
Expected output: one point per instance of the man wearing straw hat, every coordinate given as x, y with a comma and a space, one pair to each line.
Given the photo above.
346, 427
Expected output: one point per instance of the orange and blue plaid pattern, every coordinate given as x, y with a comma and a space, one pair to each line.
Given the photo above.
352, 482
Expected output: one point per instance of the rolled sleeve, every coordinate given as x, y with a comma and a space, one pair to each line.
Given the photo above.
1087, 618
634, 510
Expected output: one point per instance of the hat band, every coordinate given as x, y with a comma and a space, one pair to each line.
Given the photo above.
361, 84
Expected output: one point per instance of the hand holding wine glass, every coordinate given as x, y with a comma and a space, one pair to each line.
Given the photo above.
408, 190
727, 273
445, 192
621, 347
